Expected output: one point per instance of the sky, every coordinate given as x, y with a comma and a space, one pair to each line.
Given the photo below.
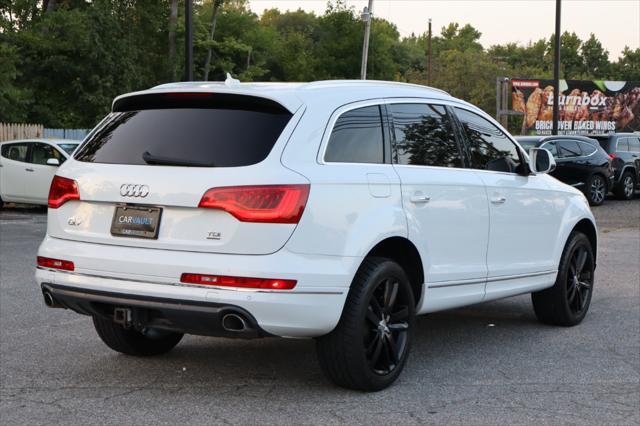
616, 23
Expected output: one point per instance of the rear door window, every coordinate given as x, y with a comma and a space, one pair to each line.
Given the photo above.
226, 131
15, 151
424, 136
569, 149
357, 137
634, 144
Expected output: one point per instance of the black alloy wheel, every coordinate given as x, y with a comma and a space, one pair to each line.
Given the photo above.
385, 339
370, 345
567, 302
579, 279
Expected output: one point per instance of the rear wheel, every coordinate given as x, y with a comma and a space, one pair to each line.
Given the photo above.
146, 342
567, 302
369, 347
596, 190
626, 187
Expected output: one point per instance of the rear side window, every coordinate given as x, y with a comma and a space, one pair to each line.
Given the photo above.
357, 137
489, 147
623, 144
15, 151
586, 149
634, 144
424, 136
569, 148
181, 132
42, 152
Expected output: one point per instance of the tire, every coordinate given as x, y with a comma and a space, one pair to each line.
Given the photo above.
132, 342
625, 189
567, 302
378, 317
596, 190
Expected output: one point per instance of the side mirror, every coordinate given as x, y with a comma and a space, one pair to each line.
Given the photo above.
541, 161
53, 162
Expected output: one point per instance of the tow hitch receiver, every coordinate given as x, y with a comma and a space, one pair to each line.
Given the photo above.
122, 316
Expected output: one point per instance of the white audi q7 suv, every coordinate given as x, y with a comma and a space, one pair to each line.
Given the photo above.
334, 210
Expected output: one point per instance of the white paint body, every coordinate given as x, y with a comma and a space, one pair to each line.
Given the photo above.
27, 182
472, 249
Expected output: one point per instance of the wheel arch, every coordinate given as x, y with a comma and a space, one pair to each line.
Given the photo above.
628, 167
402, 251
588, 228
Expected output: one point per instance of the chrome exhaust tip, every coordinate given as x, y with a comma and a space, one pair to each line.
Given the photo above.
49, 300
234, 323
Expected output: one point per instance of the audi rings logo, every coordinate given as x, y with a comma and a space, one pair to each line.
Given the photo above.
131, 190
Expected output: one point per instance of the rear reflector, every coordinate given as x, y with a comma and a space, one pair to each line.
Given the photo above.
241, 282
47, 262
61, 191
262, 203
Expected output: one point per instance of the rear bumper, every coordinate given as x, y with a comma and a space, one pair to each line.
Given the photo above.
167, 314
311, 309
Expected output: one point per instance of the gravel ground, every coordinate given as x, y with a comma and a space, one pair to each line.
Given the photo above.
486, 364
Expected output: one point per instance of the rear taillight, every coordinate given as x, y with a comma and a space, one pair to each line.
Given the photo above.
612, 156
264, 203
62, 190
47, 262
240, 282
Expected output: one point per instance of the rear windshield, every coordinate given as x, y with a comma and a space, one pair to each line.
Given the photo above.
230, 135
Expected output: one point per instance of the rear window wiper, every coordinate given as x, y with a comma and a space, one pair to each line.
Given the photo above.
170, 161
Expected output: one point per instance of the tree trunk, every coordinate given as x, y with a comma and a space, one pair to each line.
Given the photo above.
50, 6
214, 21
173, 23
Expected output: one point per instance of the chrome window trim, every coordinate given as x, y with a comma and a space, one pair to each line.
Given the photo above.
337, 113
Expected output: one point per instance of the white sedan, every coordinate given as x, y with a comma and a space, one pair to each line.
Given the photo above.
27, 168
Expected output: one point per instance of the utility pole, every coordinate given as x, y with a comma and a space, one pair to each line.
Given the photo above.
429, 54
366, 16
188, 40
556, 70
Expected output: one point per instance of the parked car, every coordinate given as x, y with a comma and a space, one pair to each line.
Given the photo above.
624, 149
580, 162
27, 168
333, 210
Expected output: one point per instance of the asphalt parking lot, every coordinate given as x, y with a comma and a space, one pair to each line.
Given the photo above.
486, 364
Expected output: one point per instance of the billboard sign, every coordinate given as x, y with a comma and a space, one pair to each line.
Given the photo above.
587, 107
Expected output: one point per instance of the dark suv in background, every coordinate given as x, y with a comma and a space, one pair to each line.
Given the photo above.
624, 150
580, 162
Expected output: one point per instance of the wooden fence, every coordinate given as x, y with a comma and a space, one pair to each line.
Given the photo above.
10, 131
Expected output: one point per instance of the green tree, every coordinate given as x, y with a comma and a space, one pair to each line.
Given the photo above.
628, 65
595, 58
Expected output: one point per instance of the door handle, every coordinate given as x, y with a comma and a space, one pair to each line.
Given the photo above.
29, 170
417, 199
498, 200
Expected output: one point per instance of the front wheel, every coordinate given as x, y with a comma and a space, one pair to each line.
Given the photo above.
596, 190
369, 347
567, 302
146, 342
